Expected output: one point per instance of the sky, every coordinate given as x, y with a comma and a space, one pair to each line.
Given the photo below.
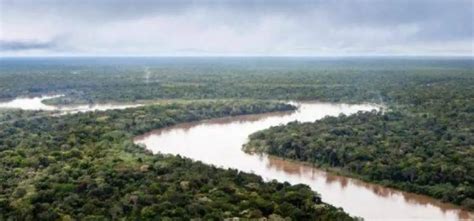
236, 28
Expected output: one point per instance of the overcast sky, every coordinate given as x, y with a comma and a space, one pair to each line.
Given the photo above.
236, 28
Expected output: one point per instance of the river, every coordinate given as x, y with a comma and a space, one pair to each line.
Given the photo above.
219, 142
36, 103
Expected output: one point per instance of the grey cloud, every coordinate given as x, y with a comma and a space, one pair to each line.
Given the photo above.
365, 11
26, 45
339, 24
97, 10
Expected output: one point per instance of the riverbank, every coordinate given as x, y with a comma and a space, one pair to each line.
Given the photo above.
219, 141
359, 144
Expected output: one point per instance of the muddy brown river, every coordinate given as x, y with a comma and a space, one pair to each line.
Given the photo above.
219, 142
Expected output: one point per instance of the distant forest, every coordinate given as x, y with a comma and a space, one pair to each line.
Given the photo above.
93, 80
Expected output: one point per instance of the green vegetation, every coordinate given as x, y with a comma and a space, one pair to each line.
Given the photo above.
85, 166
130, 79
10, 115
424, 143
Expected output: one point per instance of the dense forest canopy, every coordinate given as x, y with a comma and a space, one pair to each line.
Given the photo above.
423, 142
86, 165
90, 80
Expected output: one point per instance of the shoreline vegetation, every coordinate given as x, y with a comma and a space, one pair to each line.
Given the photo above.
360, 146
85, 166
423, 142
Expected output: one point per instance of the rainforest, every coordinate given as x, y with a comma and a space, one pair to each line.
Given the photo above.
403, 125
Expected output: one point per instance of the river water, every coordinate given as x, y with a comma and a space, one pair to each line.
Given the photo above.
36, 103
219, 142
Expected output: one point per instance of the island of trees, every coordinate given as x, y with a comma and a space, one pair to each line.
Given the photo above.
422, 142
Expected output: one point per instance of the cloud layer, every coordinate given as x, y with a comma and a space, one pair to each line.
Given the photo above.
231, 27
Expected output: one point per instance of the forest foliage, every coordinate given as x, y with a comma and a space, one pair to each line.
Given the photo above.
85, 166
422, 142
97, 80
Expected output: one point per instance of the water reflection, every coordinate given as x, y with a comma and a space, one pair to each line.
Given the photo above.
36, 103
300, 170
219, 142
29, 103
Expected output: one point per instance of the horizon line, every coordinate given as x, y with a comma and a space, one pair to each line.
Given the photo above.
243, 56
